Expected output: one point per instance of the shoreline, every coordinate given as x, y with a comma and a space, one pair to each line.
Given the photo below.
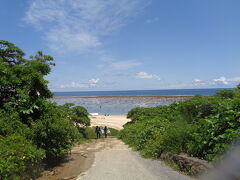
160, 96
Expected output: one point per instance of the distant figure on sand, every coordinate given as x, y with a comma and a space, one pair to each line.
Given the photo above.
98, 132
106, 131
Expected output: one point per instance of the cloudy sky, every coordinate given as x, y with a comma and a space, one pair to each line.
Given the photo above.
129, 44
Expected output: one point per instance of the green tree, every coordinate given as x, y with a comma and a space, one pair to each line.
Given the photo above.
78, 114
31, 127
226, 93
22, 81
237, 88
54, 132
10, 54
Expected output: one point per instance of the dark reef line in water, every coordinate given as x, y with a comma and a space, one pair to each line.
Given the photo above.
161, 96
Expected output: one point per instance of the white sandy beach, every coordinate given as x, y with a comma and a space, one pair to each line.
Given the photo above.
113, 121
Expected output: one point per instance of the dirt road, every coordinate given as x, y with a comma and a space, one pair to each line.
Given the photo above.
115, 161
109, 159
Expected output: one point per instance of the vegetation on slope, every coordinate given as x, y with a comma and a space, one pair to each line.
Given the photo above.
32, 129
203, 127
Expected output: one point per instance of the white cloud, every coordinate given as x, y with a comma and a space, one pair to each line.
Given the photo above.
94, 81
78, 25
235, 79
122, 65
226, 81
91, 83
198, 82
221, 80
144, 75
74, 85
217, 82
65, 40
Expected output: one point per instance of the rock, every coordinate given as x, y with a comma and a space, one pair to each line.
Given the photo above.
188, 164
51, 173
84, 155
166, 155
198, 169
68, 178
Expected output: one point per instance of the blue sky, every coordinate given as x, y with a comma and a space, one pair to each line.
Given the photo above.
129, 44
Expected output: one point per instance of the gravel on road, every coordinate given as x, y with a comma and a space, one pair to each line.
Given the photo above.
115, 161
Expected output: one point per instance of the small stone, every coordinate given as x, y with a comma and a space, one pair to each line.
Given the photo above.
68, 178
51, 173
85, 155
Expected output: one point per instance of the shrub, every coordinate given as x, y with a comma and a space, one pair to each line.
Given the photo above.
19, 158
55, 134
114, 132
216, 132
31, 126
140, 113
78, 114
135, 112
225, 94
10, 124
90, 133
173, 139
198, 107
201, 126
140, 133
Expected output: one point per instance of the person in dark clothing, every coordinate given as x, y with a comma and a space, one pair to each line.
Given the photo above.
98, 132
105, 130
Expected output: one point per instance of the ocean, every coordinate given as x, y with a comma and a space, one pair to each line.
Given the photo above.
163, 92
120, 102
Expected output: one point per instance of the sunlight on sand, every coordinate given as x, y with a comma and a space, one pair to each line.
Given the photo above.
113, 121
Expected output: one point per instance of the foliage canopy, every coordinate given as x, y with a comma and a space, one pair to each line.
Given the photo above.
32, 129
201, 126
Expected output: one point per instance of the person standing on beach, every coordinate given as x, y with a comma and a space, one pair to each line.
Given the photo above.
106, 130
98, 132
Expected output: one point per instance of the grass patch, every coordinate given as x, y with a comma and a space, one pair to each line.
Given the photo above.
175, 167
82, 141
114, 132
172, 164
90, 133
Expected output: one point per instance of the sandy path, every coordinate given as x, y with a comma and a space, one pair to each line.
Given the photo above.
109, 159
113, 121
117, 162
